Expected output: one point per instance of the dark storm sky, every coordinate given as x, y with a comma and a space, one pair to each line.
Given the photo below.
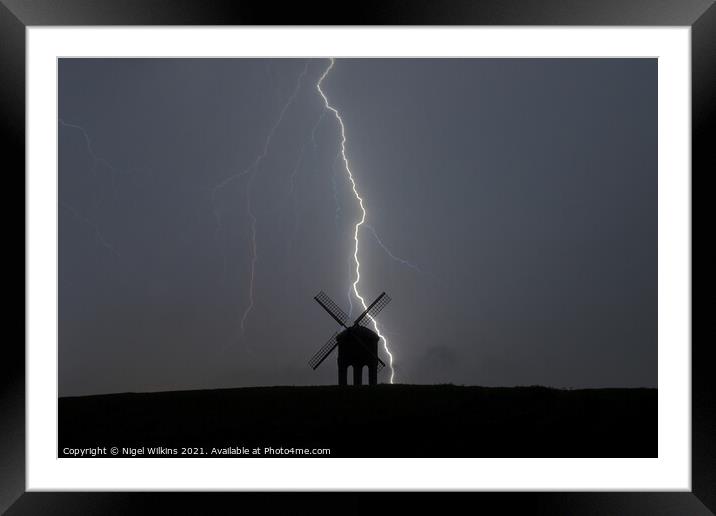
524, 190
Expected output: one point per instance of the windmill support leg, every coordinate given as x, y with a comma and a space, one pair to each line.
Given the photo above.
357, 375
342, 374
372, 375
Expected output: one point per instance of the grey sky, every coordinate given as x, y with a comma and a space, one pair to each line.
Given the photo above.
523, 190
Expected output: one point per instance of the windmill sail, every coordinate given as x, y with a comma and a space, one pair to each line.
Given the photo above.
373, 310
332, 308
364, 348
322, 353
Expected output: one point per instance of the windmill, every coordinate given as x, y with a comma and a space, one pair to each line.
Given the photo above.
357, 344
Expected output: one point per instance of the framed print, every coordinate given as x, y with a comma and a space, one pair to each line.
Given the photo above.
419, 248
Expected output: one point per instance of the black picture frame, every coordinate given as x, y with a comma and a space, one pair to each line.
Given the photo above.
16, 15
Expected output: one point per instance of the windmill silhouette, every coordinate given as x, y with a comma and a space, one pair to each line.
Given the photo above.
357, 344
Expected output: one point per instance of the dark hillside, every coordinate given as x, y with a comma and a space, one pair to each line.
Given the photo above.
381, 421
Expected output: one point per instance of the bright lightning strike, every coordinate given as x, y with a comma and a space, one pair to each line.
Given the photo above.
362, 208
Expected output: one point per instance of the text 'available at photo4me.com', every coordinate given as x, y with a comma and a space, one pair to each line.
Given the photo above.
163, 451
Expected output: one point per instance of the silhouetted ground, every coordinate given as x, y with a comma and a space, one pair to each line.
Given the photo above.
381, 421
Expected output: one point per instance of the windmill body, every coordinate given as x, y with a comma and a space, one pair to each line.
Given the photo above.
352, 354
357, 345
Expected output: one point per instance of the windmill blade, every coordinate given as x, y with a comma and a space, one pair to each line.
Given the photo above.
381, 364
374, 309
332, 308
323, 353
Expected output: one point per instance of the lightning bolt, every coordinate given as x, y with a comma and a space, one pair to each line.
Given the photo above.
362, 209
294, 199
99, 238
334, 175
96, 160
388, 251
250, 171
315, 127
292, 180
